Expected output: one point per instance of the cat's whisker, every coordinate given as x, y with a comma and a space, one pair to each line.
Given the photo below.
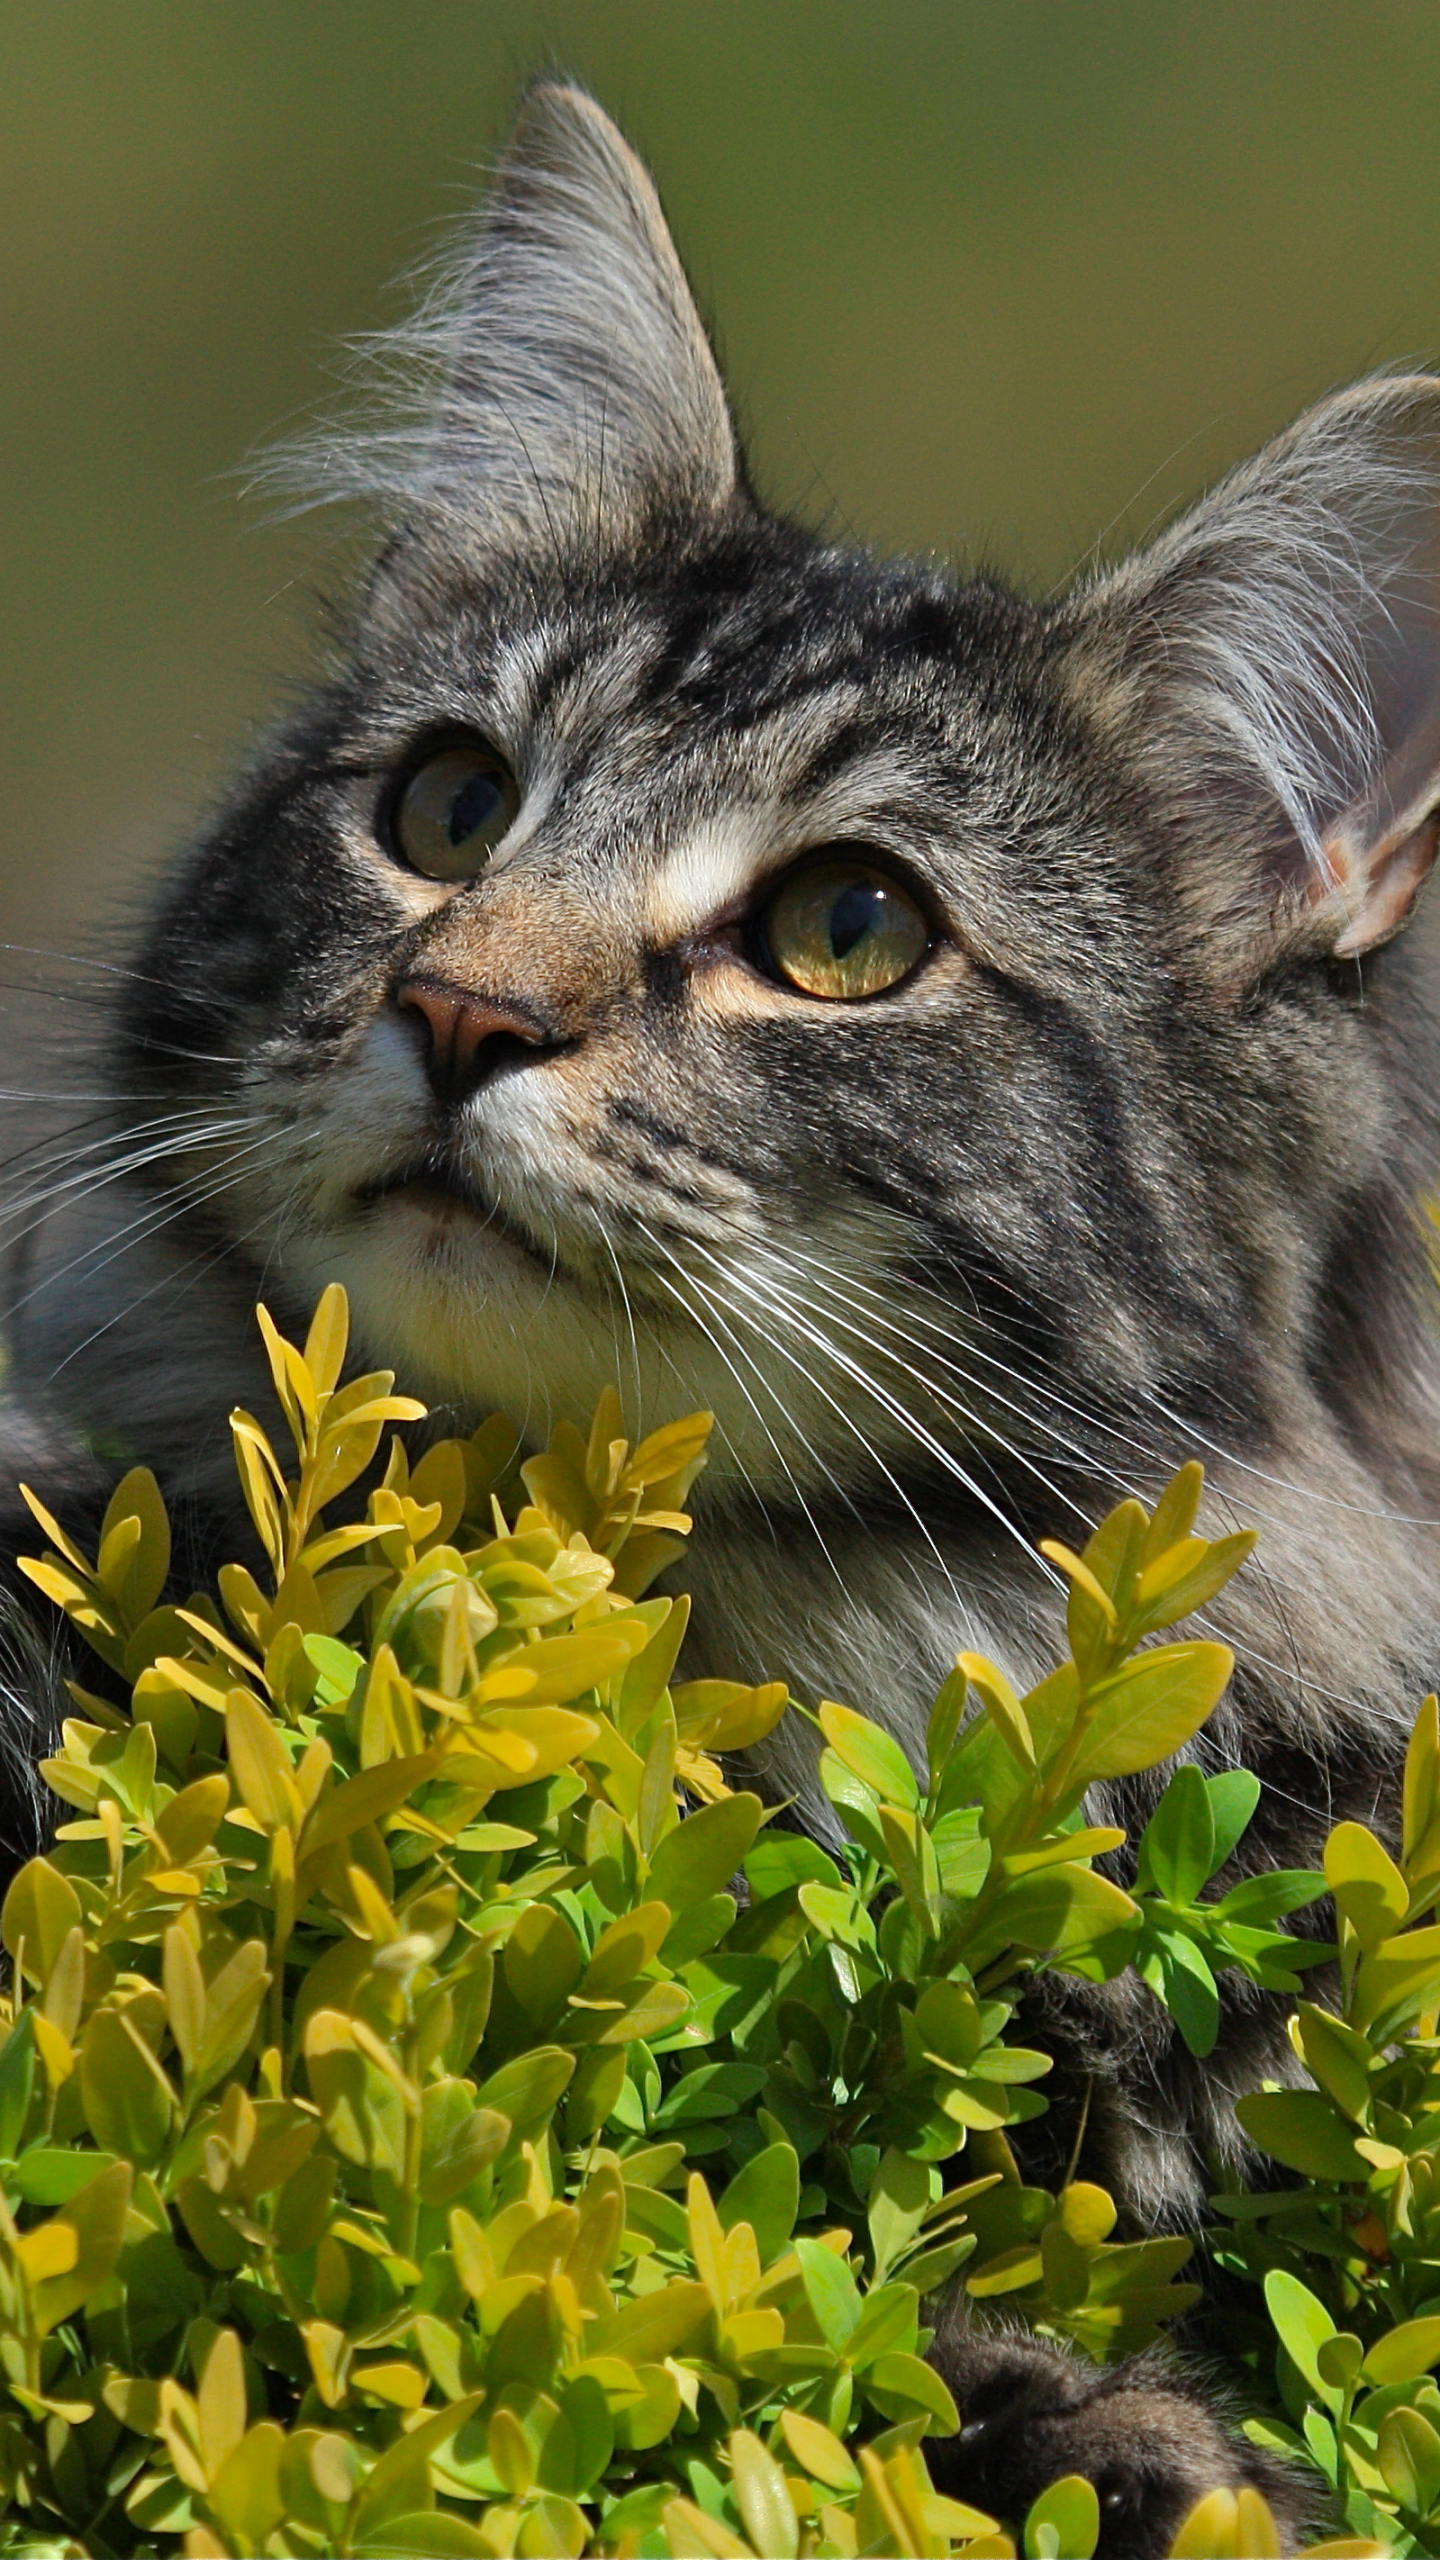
142, 1039
86, 960
94, 1259
1190, 1431
603, 1233
705, 1325
61, 1143
898, 1413
775, 1342
942, 1329
37, 1208
1155, 1458
181, 1122
973, 1422
728, 1438
37, 1205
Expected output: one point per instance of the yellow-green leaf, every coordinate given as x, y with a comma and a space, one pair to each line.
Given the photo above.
1148, 1708
870, 1754
1367, 1885
40, 1911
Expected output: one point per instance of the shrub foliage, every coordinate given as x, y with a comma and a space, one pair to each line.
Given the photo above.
416, 2139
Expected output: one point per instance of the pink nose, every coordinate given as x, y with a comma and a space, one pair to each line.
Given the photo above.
468, 1036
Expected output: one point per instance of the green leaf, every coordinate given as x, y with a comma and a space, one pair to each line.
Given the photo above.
701, 1854
427, 2535
1396, 1981
783, 1858
1271, 1895
1336, 2057
96, 2215
766, 2194
339, 1666
528, 2089
324, 1353
1182, 1581
961, 1855
1002, 1710
1405, 2353
1302, 2324
900, 2195
365, 1798
1408, 2452
764, 2501
1187, 1987
1233, 1798
841, 1916
1301, 2129
40, 1911
943, 1724
830, 2289
654, 2325
1068, 2512
886, 2325
1422, 1781
1338, 2360
53, 2177
543, 1960
901, 2387
1173, 1517
17, 2081
858, 1809
1177, 1848
698, 1928
912, 1858
138, 1580
129, 2106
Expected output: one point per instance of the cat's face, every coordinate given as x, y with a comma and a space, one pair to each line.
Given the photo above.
748, 854
676, 950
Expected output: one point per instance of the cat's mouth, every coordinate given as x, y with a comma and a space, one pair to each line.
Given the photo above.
435, 1185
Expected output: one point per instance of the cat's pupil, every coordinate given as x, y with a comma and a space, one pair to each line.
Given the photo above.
854, 913
472, 806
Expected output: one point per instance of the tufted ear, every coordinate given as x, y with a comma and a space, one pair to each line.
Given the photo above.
556, 385
1272, 664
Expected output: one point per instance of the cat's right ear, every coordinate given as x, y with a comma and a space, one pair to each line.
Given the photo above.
556, 388
1269, 671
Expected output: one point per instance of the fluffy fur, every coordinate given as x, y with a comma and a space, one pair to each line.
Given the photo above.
1125, 1172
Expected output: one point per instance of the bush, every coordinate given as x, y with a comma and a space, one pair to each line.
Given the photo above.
412, 2145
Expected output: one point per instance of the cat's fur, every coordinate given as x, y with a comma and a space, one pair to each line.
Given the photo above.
1125, 1173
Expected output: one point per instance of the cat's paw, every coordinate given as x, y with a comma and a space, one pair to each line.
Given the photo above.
1147, 2437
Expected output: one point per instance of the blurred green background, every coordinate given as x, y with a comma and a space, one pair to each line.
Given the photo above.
1003, 277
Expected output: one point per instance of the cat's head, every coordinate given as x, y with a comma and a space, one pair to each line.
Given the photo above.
906, 1018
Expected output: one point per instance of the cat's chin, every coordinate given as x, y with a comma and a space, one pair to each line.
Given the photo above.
468, 1311
476, 1322
440, 1217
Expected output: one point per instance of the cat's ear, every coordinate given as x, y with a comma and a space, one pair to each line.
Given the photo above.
569, 391
1272, 664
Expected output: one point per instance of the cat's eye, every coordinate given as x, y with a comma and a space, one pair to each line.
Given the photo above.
842, 928
454, 810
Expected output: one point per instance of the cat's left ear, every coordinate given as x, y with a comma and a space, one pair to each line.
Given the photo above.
1271, 669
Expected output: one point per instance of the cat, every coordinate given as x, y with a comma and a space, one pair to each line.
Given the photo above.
982, 1049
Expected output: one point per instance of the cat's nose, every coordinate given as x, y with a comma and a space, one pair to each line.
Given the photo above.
468, 1037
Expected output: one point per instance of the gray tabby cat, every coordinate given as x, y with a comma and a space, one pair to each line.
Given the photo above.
964, 1042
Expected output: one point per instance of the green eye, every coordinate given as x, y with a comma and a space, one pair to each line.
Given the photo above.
454, 811
842, 929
